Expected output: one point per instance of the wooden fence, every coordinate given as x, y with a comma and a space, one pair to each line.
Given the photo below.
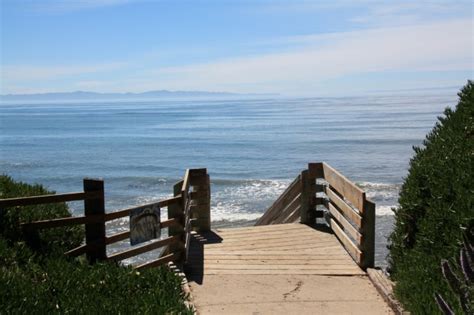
321, 191
189, 209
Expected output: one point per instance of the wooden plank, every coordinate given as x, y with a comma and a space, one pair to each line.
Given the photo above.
36, 200
80, 250
338, 272
259, 229
160, 261
289, 194
117, 237
345, 187
276, 242
143, 248
208, 266
347, 243
60, 222
276, 252
347, 210
295, 216
348, 228
288, 210
186, 183
126, 212
275, 246
276, 235
95, 232
297, 257
170, 222
279, 261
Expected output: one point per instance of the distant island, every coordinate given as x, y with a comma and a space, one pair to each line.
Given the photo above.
90, 96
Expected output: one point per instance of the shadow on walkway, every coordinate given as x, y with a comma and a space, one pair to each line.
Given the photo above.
194, 268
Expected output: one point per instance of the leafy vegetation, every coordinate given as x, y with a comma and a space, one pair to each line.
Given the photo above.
436, 207
45, 282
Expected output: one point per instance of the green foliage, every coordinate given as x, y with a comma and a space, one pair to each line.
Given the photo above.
51, 240
46, 282
460, 278
436, 206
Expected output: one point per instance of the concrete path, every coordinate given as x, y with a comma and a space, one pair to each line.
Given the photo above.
277, 269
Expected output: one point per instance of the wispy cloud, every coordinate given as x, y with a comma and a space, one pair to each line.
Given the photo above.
302, 69
21, 73
437, 46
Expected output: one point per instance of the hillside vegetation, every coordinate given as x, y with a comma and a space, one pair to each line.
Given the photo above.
44, 281
436, 208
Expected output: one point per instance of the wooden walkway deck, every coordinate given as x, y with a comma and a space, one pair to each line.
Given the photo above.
281, 268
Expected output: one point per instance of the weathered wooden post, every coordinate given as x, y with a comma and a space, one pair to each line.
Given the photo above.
201, 200
95, 232
308, 215
368, 234
176, 211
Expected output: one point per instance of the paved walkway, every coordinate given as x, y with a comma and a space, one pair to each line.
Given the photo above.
277, 269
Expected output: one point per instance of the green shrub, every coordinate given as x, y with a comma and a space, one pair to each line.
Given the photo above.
436, 206
47, 282
58, 239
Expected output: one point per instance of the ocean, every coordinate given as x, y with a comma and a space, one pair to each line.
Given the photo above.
252, 148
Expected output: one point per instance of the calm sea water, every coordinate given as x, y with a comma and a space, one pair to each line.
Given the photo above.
252, 148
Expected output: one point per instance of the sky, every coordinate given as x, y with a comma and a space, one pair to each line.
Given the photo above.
294, 48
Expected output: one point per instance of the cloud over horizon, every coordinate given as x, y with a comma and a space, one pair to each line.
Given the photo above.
293, 64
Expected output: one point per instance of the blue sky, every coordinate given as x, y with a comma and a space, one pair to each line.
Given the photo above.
295, 48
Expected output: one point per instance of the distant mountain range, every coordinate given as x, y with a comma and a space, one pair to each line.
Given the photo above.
84, 95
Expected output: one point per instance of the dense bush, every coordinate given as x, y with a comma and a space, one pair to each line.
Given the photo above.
57, 240
46, 282
436, 207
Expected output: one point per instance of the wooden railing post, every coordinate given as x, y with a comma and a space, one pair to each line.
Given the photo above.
368, 235
201, 200
308, 215
176, 211
95, 232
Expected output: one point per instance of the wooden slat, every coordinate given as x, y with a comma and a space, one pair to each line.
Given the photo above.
126, 212
169, 222
295, 216
348, 228
53, 223
35, 200
288, 210
347, 210
124, 235
186, 182
275, 267
337, 272
80, 250
293, 189
143, 248
160, 261
345, 187
117, 237
348, 245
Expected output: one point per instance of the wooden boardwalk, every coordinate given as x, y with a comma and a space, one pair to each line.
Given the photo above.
280, 268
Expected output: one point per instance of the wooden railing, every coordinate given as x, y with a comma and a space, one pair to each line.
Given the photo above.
186, 205
345, 207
